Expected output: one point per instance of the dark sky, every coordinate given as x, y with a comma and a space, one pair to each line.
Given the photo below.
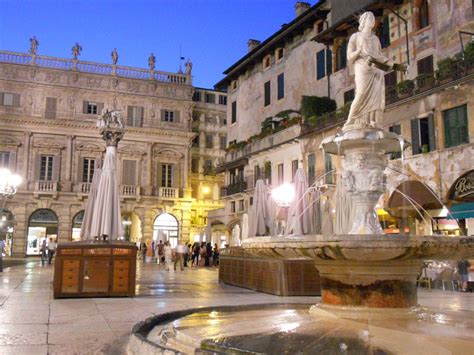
213, 33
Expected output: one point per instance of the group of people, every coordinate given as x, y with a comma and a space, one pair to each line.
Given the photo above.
47, 251
198, 254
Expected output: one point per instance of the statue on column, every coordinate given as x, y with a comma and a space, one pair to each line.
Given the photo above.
76, 50
110, 119
33, 45
364, 52
151, 61
115, 56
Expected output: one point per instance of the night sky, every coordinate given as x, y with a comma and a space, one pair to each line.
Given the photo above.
213, 33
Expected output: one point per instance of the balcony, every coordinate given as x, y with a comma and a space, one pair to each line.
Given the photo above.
129, 191
84, 187
407, 89
46, 188
235, 188
168, 193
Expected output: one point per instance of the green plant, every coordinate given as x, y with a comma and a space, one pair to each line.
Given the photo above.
267, 126
446, 67
469, 51
285, 113
425, 148
316, 106
405, 87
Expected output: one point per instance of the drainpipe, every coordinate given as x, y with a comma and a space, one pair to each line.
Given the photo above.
406, 32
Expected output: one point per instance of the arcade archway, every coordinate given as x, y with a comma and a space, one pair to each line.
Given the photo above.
6, 230
166, 227
43, 224
77, 225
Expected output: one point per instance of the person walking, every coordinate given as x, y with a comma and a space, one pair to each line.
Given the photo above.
43, 251
167, 254
187, 254
180, 251
215, 256
2, 250
208, 254
196, 250
161, 252
144, 250
463, 270
51, 250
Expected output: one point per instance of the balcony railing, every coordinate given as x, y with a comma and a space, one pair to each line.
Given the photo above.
423, 83
235, 188
129, 190
93, 68
168, 192
46, 186
85, 187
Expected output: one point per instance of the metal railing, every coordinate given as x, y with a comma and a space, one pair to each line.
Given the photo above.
425, 82
94, 68
235, 188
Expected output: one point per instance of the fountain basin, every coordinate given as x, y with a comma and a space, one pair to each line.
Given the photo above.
363, 270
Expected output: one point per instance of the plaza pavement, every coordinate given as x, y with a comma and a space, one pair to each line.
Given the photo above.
32, 322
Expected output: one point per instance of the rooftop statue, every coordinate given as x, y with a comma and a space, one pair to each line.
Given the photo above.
189, 67
364, 52
151, 61
33, 45
115, 56
76, 50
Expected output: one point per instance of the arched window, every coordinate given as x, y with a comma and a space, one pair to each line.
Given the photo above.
76, 225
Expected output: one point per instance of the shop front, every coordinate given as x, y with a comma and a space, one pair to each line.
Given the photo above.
42, 225
461, 199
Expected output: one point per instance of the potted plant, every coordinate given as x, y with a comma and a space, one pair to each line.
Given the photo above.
425, 148
446, 69
425, 81
405, 88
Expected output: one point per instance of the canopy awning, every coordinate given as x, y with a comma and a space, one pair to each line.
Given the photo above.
461, 211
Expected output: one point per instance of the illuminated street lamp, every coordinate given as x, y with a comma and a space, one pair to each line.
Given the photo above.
8, 183
283, 196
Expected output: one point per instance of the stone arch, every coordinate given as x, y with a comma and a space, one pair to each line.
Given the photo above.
7, 224
166, 227
43, 224
76, 225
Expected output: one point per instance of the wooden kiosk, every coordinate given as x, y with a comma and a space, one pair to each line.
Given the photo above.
95, 269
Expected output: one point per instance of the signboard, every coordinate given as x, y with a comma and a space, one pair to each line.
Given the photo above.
463, 188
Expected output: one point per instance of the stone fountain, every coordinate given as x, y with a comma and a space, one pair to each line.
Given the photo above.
368, 279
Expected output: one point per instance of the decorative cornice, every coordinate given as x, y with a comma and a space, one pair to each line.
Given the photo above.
89, 147
131, 150
9, 141
48, 144
168, 153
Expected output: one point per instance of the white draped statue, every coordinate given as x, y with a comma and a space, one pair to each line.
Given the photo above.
364, 52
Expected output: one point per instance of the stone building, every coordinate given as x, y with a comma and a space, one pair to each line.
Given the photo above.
48, 135
431, 106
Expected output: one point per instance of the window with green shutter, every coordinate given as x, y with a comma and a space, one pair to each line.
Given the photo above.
455, 126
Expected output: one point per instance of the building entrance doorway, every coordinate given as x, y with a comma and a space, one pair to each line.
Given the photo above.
43, 224
165, 228
77, 225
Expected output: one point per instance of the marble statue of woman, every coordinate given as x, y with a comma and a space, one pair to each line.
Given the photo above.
364, 52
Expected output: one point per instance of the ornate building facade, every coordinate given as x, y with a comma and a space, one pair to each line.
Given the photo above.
48, 135
431, 105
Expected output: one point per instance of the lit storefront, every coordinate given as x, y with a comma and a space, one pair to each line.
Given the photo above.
43, 224
461, 196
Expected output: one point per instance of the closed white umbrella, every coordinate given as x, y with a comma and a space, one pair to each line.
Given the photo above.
235, 241
300, 214
259, 218
88, 212
315, 198
245, 227
106, 218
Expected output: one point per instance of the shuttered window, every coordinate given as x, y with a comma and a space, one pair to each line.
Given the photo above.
51, 107
267, 93
311, 169
129, 172
9, 99
88, 168
455, 126
5, 160
294, 167
423, 135
210, 98
170, 116
166, 175
397, 129
341, 55
281, 86
423, 14
46, 168
135, 116
209, 141
280, 172
92, 107
234, 112
328, 168
320, 64
425, 66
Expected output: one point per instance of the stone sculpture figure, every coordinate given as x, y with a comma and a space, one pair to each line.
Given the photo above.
189, 67
151, 61
110, 119
76, 50
364, 52
115, 56
33, 45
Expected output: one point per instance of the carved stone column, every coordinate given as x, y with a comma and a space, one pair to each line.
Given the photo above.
67, 184
26, 155
187, 192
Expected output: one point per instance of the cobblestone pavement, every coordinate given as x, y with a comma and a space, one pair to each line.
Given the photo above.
32, 322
